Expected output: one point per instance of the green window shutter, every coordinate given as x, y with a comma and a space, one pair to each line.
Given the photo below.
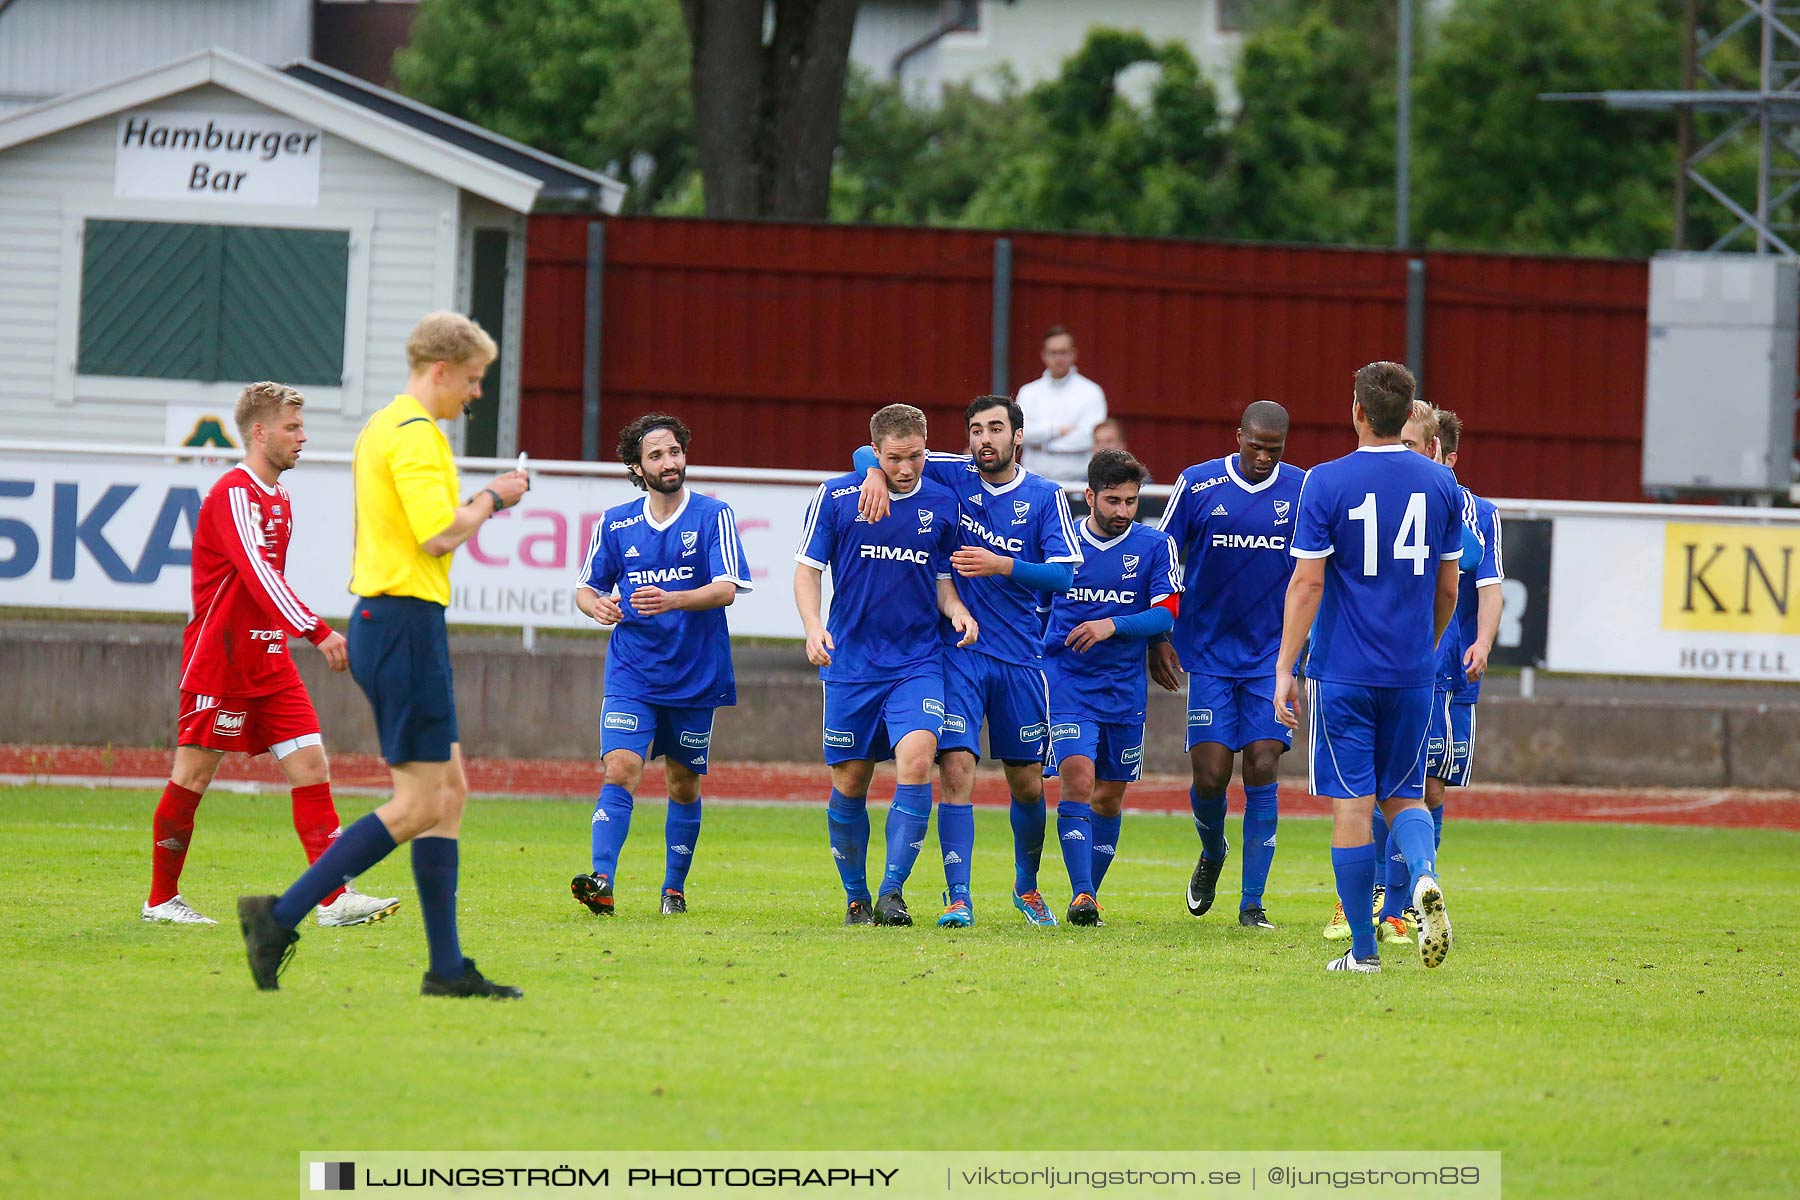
283, 304
163, 300
149, 300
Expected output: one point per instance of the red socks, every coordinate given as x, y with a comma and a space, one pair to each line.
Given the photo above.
172, 830
316, 821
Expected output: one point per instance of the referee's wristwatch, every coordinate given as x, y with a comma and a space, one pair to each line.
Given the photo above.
498, 502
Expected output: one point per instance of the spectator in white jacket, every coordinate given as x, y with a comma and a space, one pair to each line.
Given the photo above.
1061, 409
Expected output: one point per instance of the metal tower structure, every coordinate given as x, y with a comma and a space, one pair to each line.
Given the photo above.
1761, 107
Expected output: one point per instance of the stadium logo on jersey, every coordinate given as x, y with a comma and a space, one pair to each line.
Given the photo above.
1131, 564
626, 721
1199, 716
934, 707
837, 737
896, 554
1062, 733
1033, 733
628, 521
659, 575
1215, 481
690, 541
1013, 545
1102, 596
632, 553
1132, 755
845, 491
229, 723
1249, 541
1021, 510
696, 741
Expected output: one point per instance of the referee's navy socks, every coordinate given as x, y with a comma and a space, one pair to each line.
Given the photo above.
847, 821
352, 852
1412, 833
1105, 832
907, 820
1261, 807
1075, 833
956, 838
612, 822
434, 863
1209, 822
681, 834
1354, 868
1028, 820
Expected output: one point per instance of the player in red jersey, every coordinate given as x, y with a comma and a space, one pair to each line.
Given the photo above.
239, 688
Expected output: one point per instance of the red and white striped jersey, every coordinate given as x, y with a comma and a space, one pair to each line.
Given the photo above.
244, 610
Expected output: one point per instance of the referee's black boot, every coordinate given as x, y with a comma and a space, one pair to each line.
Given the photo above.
470, 983
266, 944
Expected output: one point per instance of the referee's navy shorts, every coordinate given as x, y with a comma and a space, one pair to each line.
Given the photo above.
400, 657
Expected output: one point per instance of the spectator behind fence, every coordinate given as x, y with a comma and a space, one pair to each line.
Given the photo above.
1062, 407
1109, 435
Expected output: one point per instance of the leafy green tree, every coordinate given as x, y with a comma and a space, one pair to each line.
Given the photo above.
602, 83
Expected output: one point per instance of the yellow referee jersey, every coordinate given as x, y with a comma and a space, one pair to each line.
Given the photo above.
406, 493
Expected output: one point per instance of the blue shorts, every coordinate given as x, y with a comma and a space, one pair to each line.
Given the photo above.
1012, 699
1450, 746
1366, 741
865, 721
653, 730
1233, 711
400, 658
1116, 748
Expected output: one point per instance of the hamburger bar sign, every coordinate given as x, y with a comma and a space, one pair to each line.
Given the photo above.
231, 158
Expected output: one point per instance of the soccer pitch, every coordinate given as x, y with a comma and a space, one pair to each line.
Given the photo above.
1618, 1016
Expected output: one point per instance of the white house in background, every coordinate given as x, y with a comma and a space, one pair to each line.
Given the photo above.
169, 236
925, 44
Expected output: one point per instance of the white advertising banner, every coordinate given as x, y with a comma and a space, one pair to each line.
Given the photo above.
116, 534
1703, 599
229, 157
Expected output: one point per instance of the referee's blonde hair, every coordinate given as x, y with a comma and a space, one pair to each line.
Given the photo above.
263, 401
1425, 417
448, 337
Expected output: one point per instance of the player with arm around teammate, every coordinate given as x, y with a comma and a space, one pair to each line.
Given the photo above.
1232, 520
1018, 548
660, 572
880, 656
1126, 590
239, 688
1376, 544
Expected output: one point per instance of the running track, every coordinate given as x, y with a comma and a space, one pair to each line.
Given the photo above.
148, 768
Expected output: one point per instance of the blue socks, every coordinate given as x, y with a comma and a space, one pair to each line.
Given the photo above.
847, 821
1355, 871
681, 833
1261, 805
1411, 831
956, 837
1074, 832
434, 861
1209, 823
612, 822
1437, 826
1105, 832
907, 819
352, 852
1028, 820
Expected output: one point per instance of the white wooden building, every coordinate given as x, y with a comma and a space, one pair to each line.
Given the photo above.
169, 236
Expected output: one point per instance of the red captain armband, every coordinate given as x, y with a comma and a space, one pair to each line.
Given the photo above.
1172, 602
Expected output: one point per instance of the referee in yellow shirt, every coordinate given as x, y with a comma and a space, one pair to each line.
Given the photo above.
409, 519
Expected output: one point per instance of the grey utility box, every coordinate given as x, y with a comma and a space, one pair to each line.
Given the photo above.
1720, 379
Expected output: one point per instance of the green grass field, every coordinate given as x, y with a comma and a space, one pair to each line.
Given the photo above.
1618, 1016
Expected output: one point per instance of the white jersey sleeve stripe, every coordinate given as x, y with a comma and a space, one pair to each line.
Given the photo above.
587, 562
286, 603
806, 526
1175, 498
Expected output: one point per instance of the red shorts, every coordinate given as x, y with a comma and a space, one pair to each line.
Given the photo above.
281, 721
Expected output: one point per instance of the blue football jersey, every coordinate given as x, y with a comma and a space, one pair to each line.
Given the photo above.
1233, 538
1385, 517
673, 658
884, 616
1027, 519
1118, 577
1484, 519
